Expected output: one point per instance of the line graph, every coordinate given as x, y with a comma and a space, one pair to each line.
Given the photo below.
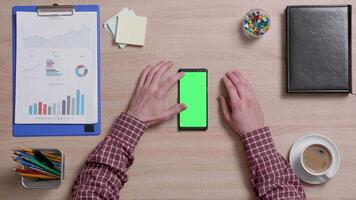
31, 69
71, 39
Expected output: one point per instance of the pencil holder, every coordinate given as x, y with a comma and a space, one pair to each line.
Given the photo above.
46, 184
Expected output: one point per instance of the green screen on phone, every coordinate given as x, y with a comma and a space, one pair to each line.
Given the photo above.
193, 93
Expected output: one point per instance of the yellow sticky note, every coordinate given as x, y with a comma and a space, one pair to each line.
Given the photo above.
132, 30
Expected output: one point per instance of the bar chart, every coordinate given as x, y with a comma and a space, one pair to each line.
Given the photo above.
70, 105
51, 70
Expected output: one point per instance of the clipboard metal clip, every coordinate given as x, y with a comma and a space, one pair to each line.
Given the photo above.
55, 10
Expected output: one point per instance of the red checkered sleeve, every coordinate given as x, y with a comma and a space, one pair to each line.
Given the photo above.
270, 174
105, 171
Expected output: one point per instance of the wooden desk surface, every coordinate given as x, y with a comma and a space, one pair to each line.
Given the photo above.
172, 165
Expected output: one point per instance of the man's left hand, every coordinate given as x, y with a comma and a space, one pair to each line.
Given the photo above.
147, 102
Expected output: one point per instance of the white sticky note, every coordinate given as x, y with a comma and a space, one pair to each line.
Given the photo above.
108, 30
111, 24
132, 30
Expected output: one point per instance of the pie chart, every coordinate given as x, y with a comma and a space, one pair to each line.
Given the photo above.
81, 71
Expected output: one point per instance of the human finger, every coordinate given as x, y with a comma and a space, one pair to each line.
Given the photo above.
143, 76
224, 108
233, 78
244, 88
152, 72
140, 83
231, 90
177, 108
161, 71
168, 84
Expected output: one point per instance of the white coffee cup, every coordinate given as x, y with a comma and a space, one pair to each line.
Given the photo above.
322, 156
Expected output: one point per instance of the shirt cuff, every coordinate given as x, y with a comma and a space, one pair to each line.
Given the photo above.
128, 129
258, 143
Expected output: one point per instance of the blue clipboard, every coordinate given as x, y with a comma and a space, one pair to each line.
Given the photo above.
25, 130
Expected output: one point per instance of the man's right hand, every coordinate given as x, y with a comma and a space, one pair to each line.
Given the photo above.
240, 109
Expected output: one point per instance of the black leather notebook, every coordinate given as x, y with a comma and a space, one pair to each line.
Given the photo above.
319, 48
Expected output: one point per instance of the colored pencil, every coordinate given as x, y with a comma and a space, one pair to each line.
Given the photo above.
54, 157
28, 171
51, 157
48, 155
44, 153
30, 165
35, 170
40, 157
37, 163
44, 172
21, 153
35, 176
40, 165
24, 162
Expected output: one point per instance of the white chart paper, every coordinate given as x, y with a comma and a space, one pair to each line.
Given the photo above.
56, 69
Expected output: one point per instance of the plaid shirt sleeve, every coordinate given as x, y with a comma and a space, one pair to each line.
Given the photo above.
270, 174
104, 173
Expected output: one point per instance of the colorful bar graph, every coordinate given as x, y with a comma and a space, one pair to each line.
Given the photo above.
59, 104
54, 106
82, 104
30, 110
69, 105
78, 102
73, 106
63, 107
40, 108
45, 109
35, 109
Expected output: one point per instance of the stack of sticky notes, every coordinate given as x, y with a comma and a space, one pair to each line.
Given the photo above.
126, 28
38, 164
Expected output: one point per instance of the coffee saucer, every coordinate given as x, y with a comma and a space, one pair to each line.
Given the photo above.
300, 145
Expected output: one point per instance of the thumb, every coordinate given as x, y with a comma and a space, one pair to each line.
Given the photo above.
224, 108
174, 110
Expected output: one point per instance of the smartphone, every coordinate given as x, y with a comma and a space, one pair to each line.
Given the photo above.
193, 92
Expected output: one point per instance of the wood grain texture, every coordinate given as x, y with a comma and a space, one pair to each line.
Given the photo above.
209, 165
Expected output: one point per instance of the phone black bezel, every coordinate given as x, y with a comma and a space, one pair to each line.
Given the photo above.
194, 128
